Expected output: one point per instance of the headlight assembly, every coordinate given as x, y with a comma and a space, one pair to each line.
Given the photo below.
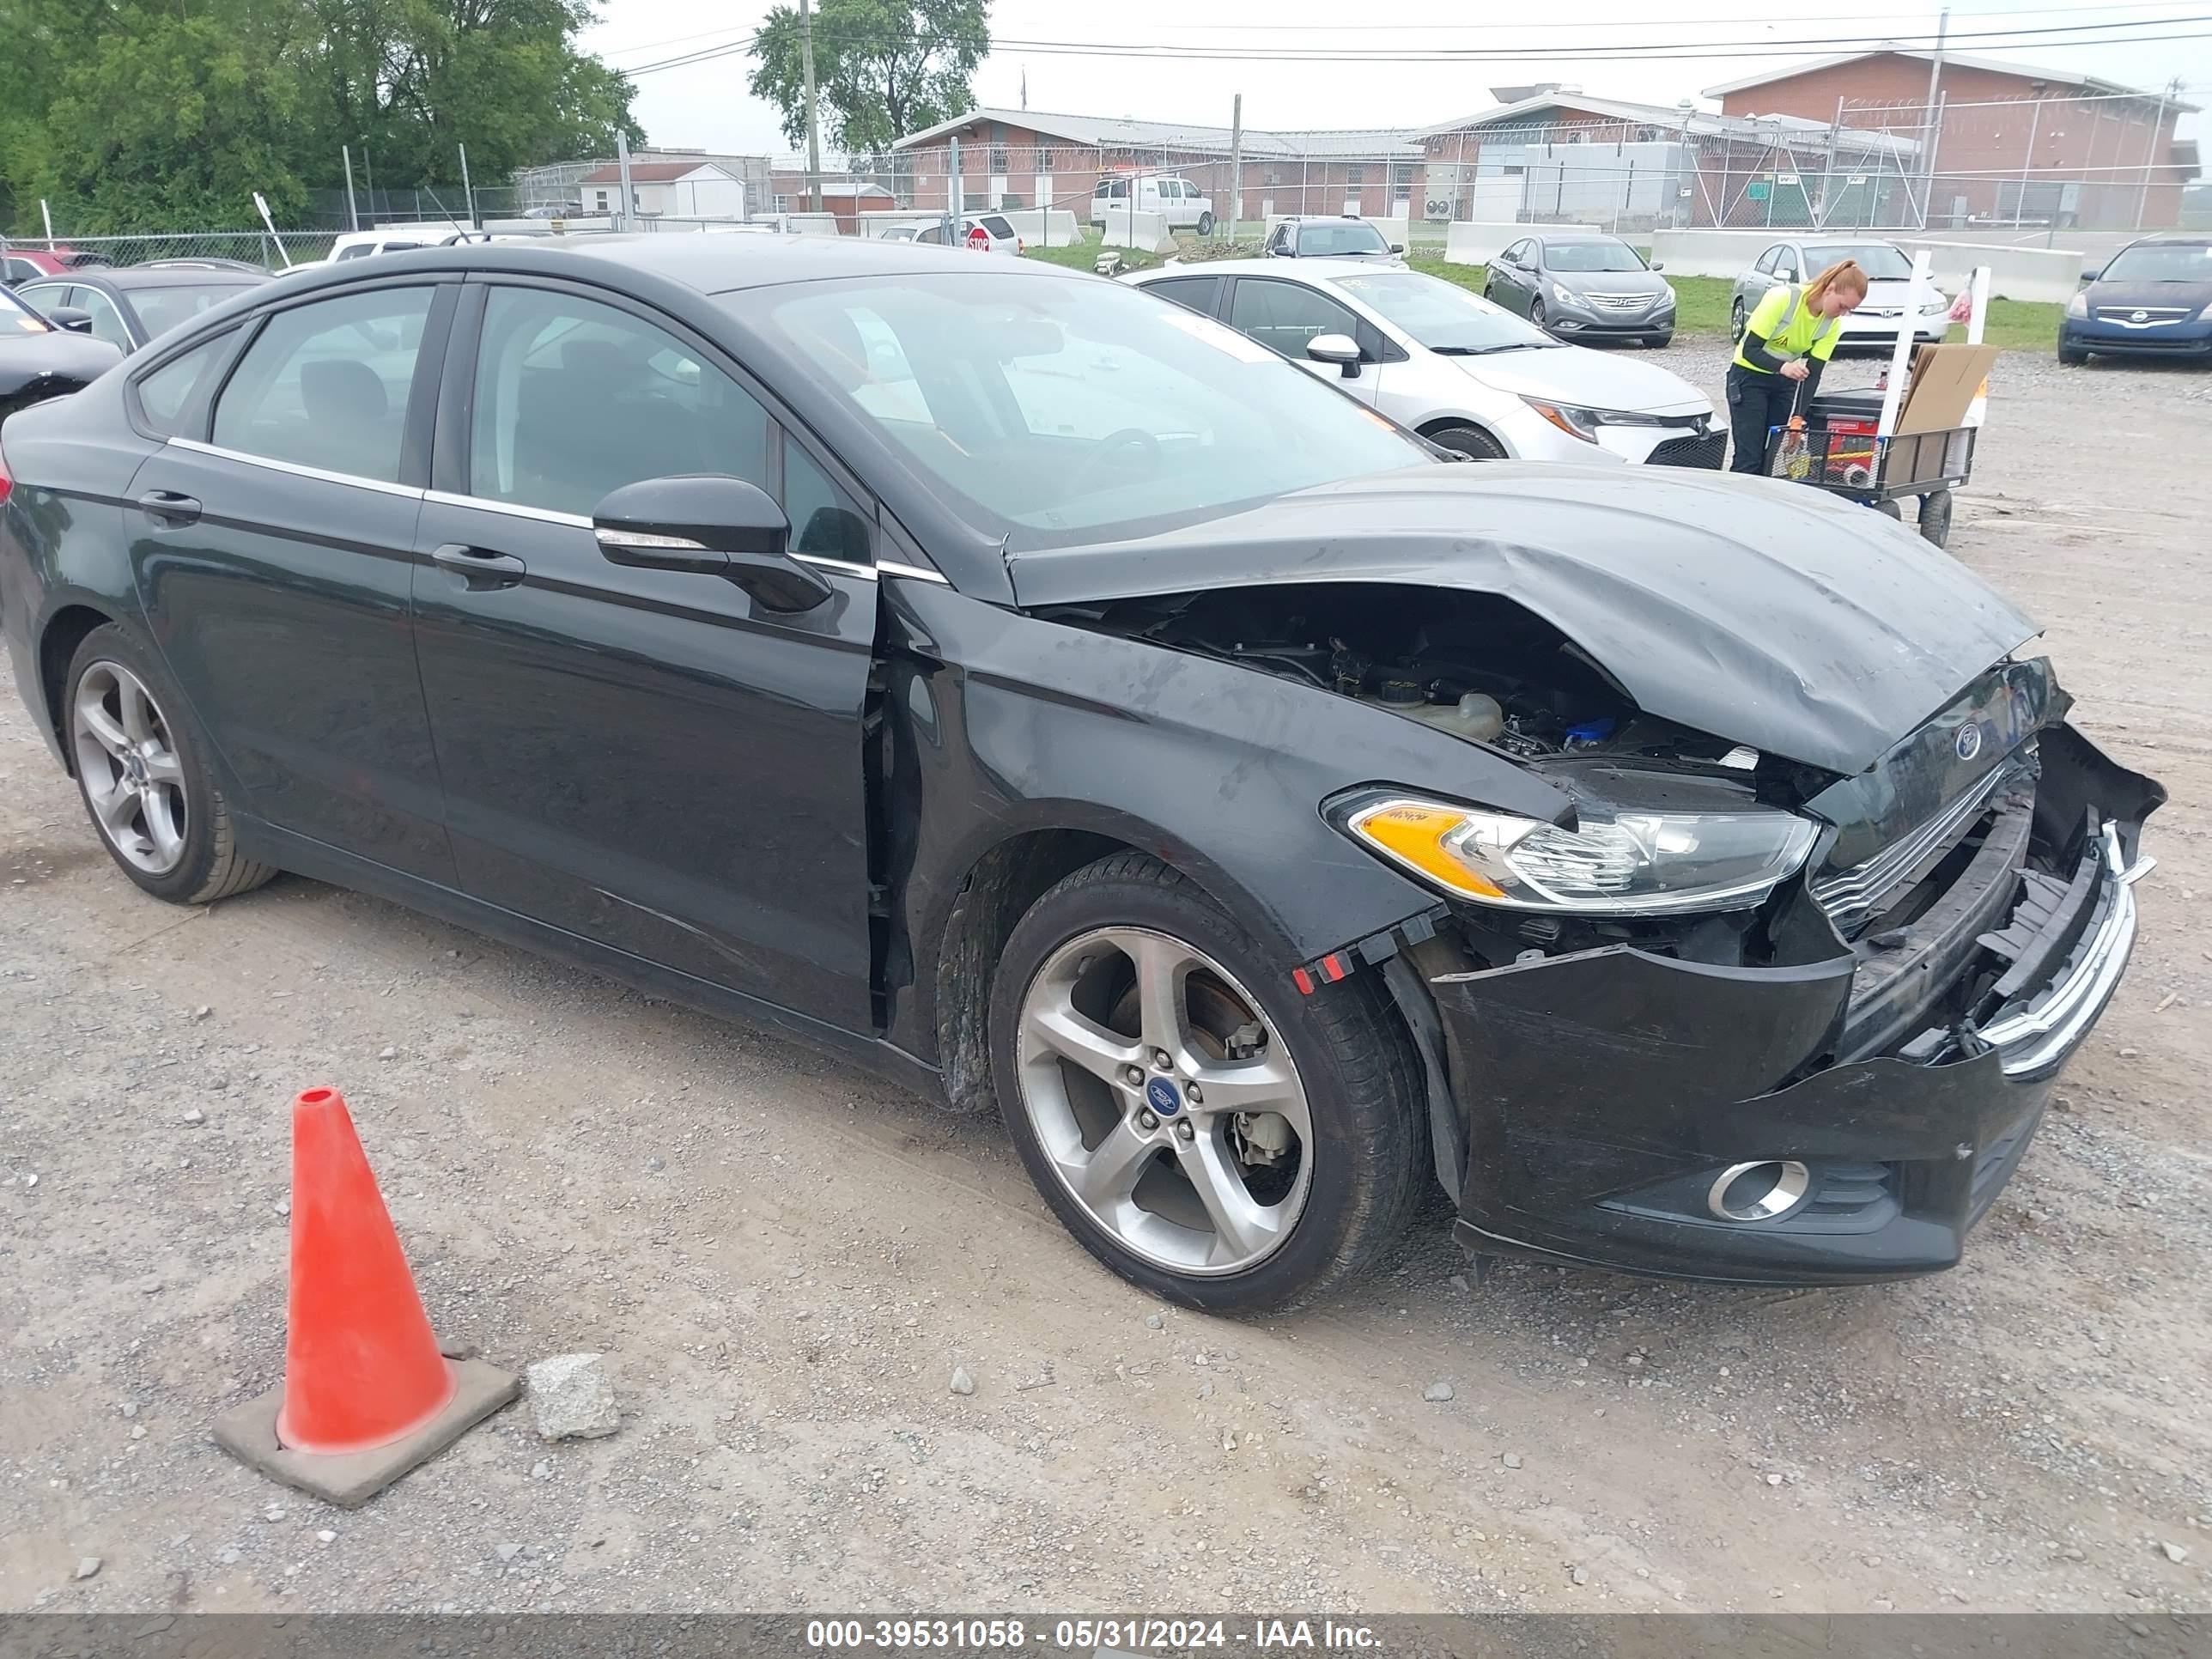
2079, 306
1634, 863
1577, 421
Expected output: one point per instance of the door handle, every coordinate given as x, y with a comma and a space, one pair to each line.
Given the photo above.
169, 509
483, 568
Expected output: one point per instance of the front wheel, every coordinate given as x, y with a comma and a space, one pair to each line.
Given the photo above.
1536, 312
1735, 319
1210, 1135
1468, 440
1206, 224
2072, 357
142, 773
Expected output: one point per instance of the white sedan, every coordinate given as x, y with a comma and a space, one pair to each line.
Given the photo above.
1465, 373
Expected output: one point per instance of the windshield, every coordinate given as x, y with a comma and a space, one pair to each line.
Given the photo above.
1343, 236
2175, 262
17, 318
1591, 256
1441, 315
163, 308
1053, 412
1875, 258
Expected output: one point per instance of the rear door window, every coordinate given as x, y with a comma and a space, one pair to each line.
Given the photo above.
1286, 315
165, 394
325, 384
1201, 293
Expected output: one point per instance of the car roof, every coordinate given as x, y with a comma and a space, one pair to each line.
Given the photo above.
1307, 269
126, 279
2170, 241
715, 264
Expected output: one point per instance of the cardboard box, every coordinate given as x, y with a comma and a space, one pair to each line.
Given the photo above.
1945, 380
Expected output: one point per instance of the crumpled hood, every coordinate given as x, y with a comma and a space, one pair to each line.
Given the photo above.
1768, 613
1593, 380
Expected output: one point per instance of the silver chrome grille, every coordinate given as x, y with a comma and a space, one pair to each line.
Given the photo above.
1851, 897
2142, 316
1621, 301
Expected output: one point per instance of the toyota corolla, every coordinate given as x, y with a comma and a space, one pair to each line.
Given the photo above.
1056, 701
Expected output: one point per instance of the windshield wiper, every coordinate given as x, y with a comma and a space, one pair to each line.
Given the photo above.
1486, 351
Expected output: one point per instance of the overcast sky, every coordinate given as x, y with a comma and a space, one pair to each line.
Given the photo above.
706, 105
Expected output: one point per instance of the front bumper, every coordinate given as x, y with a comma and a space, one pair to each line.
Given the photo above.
1593, 322
1605, 1092
2190, 339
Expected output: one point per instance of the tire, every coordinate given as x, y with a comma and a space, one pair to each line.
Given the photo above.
1471, 441
1206, 224
171, 832
1736, 319
1659, 342
1536, 311
2072, 357
1936, 516
1345, 1181
1890, 510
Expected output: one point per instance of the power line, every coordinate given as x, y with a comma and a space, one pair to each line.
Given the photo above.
2011, 37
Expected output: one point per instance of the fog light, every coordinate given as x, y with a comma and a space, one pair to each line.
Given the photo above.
1758, 1192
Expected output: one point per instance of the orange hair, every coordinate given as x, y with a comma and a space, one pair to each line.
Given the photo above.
1844, 274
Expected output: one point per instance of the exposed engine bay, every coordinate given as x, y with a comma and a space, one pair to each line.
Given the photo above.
1478, 666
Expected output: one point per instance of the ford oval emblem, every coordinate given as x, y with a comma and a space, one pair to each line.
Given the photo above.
1968, 743
1162, 1096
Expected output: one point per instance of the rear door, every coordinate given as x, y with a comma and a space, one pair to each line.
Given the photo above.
272, 536
644, 759
1198, 294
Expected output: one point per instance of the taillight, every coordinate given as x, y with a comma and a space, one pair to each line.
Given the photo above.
7, 483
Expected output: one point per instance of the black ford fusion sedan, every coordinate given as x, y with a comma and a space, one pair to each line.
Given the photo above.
1049, 698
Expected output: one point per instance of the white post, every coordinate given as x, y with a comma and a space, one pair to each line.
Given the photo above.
1901, 359
48, 216
468, 191
621, 168
1977, 313
956, 196
353, 213
261, 206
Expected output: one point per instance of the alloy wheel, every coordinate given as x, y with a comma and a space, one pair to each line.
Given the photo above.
127, 759
1165, 1101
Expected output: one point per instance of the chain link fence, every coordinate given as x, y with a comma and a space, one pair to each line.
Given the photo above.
253, 247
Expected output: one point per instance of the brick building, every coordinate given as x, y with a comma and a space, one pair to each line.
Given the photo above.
1026, 158
2004, 143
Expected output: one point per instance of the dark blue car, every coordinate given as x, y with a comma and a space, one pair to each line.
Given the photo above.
2154, 297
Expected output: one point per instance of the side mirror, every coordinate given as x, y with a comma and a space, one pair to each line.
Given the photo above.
1397, 247
2090, 273
1658, 264
713, 524
76, 318
1338, 348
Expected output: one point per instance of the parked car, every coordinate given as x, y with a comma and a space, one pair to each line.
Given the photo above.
565, 210
129, 306
1889, 277
26, 264
1346, 237
1460, 371
1584, 287
1049, 697
979, 233
1178, 201
197, 262
2156, 297
40, 359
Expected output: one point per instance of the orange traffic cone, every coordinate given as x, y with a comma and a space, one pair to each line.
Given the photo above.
367, 1394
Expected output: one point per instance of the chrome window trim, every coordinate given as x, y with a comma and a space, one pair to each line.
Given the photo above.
512, 509
912, 573
273, 464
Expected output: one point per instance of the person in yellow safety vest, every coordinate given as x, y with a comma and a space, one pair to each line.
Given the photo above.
1786, 340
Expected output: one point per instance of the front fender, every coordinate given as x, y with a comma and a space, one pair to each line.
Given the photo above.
998, 725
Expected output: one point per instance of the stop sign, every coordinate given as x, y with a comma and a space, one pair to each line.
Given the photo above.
979, 240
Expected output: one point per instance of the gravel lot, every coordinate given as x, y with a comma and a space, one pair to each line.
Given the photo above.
786, 1262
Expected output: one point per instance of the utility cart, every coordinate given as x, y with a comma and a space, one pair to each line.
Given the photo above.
1835, 448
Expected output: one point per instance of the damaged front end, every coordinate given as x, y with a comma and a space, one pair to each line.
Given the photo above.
1835, 1087
1732, 1015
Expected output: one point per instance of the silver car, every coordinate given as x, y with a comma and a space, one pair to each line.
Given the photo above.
1455, 369
1889, 274
1581, 286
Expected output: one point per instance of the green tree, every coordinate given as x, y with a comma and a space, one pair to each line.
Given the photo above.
169, 114
882, 68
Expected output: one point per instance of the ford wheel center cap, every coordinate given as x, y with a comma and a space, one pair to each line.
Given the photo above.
1162, 1096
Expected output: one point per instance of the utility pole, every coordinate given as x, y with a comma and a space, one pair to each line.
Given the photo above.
955, 197
353, 214
1930, 131
813, 129
622, 170
2171, 90
1235, 163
